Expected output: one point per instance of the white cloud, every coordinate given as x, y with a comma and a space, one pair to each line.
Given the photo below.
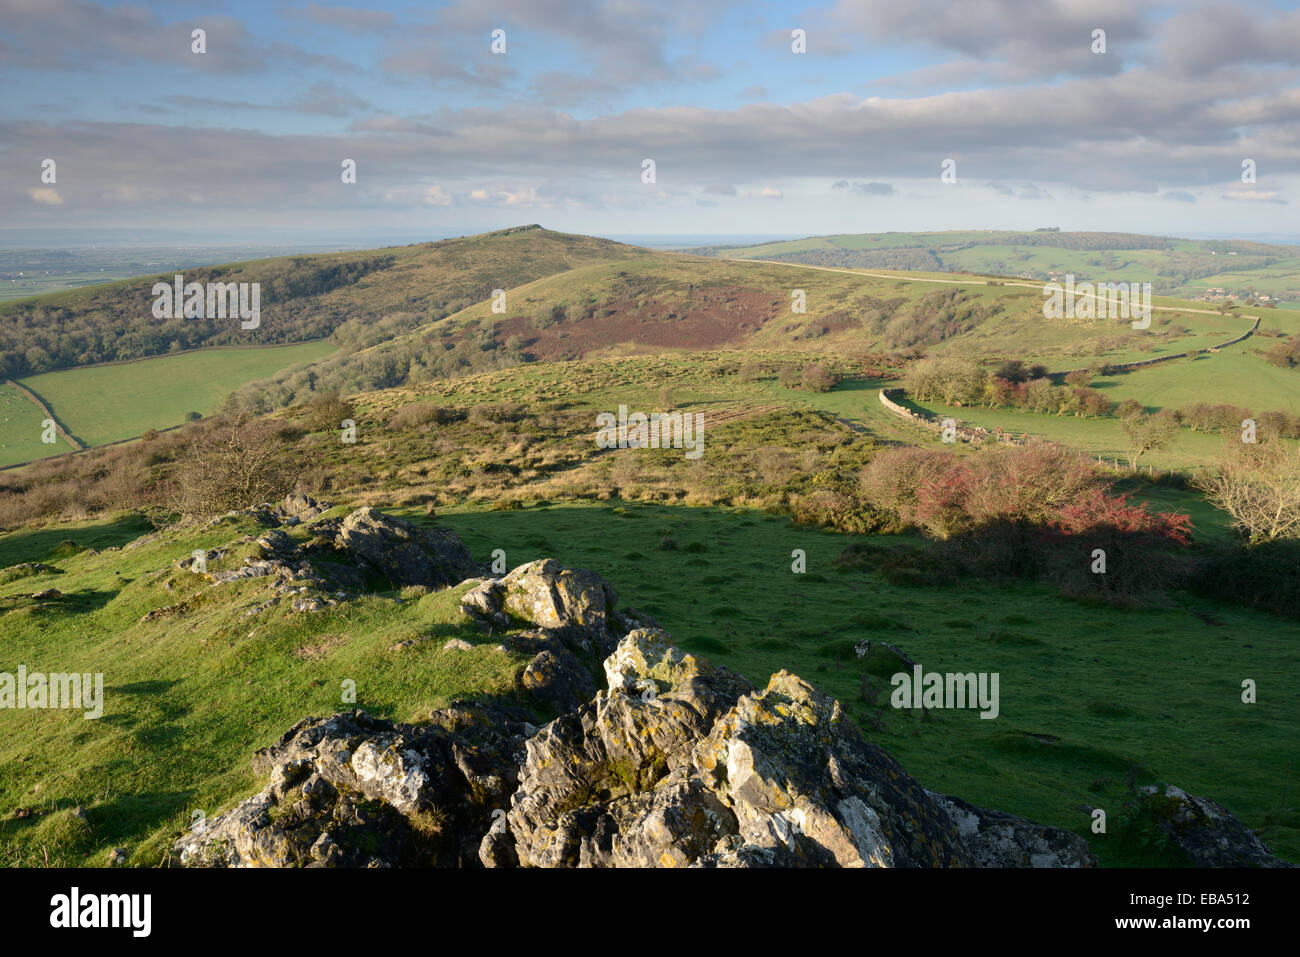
437, 196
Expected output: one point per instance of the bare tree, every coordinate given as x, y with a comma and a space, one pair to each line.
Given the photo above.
233, 462
1258, 484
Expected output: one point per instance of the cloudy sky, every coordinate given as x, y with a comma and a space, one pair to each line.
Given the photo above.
246, 141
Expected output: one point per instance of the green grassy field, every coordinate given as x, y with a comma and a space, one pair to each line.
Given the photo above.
1235, 375
106, 403
1095, 698
20, 429
1155, 691
1092, 698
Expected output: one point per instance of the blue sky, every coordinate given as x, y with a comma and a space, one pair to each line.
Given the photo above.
245, 141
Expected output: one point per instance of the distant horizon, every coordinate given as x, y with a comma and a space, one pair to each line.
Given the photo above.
17, 240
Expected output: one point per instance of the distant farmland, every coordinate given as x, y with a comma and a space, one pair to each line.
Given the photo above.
105, 403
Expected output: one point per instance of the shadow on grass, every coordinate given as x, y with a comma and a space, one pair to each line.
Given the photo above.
35, 545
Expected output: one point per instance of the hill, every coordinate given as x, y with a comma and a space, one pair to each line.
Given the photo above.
406, 315
1210, 270
72, 348
364, 296
671, 301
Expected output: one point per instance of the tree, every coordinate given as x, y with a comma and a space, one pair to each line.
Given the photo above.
326, 412
1013, 370
817, 378
1258, 484
234, 462
1129, 408
1146, 433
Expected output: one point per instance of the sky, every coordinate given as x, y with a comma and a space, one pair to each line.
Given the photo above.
473, 115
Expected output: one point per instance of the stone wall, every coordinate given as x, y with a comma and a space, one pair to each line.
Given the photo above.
972, 434
1142, 363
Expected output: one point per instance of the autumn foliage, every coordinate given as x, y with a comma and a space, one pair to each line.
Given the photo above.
1042, 485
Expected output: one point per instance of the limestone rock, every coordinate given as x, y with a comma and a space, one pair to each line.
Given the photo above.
1204, 830
546, 594
679, 763
558, 680
997, 839
352, 790
404, 553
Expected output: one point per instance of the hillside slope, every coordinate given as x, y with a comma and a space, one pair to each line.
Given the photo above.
661, 302
365, 296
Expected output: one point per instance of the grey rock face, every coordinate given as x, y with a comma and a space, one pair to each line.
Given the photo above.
351, 790
1204, 830
404, 553
997, 839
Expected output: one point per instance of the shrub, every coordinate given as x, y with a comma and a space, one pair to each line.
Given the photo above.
1038, 485
326, 412
1266, 576
236, 462
1285, 354
1129, 408
1013, 370
817, 378
418, 414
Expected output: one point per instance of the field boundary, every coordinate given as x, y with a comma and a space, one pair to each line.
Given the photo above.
975, 435
235, 347
1141, 363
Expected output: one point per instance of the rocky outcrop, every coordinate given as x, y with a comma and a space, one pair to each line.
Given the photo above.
355, 791
404, 553
678, 762
1205, 831
336, 559
552, 597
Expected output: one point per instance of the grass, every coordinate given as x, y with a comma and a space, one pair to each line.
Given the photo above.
106, 403
1273, 269
1235, 374
188, 698
1089, 695
20, 429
